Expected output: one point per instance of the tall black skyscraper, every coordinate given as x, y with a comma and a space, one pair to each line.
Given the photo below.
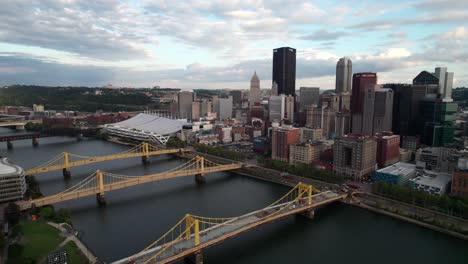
284, 70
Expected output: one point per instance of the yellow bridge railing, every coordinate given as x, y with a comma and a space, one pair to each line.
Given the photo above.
101, 182
65, 160
188, 231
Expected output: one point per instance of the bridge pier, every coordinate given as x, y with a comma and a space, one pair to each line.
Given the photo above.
145, 160
196, 258
100, 199
66, 173
200, 178
9, 144
35, 142
308, 214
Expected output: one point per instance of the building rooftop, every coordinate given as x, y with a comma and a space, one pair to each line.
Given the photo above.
355, 137
7, 168
439, 181
399, 168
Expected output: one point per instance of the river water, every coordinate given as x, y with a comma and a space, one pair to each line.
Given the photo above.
136, 216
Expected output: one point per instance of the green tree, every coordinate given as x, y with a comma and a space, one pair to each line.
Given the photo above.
63, 215
48, 213
175, 142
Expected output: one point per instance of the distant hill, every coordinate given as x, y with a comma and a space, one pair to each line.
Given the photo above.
75, 98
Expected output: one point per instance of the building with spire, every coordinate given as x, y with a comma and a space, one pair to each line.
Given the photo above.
254, 96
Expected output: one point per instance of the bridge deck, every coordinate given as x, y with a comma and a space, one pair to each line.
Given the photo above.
124, 183
217, 234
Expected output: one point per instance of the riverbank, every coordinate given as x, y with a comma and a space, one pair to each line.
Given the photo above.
275, 177
33, 241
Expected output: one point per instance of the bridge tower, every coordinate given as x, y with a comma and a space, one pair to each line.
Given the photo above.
66, 166
100, 186
192, 223
307, 190
145, 150
200, 166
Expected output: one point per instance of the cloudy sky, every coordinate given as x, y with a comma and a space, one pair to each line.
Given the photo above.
219, 44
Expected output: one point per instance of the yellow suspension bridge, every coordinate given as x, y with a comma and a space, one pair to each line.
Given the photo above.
194, 233
64, 161
100, 182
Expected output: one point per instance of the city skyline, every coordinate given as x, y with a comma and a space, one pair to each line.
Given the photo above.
219, 45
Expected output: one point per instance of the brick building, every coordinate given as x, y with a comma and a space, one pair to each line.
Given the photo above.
388, 149
281, 138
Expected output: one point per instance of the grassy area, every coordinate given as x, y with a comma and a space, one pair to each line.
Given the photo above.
37, 240
73, 253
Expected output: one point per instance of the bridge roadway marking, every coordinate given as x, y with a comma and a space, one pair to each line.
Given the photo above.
218, 233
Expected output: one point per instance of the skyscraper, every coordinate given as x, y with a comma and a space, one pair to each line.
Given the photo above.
276, 106
361, 81
344, 71
284, 70
445, 82
254, 96
308, 96
289, 108
184, 103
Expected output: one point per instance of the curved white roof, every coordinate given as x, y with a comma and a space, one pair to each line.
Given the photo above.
151, 123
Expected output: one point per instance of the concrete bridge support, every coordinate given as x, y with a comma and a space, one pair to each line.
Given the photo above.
9, 145
35, 142
308, 214
196, 258
66, 173
100, 199
200, 178
145, 160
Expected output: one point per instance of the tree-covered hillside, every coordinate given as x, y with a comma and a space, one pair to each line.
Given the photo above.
75, 98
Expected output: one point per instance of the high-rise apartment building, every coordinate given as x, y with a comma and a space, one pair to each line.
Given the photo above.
184, 104
284, 70
436, 121
376, 112
383, 110
254, 96
354, 156
308, 96
289, 108
225, 108
281, 139
401, 107
361, 82
344, 72
276, 108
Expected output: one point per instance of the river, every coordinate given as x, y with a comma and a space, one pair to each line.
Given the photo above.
136, 216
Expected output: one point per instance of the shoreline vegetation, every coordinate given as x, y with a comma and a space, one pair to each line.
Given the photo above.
454, 231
